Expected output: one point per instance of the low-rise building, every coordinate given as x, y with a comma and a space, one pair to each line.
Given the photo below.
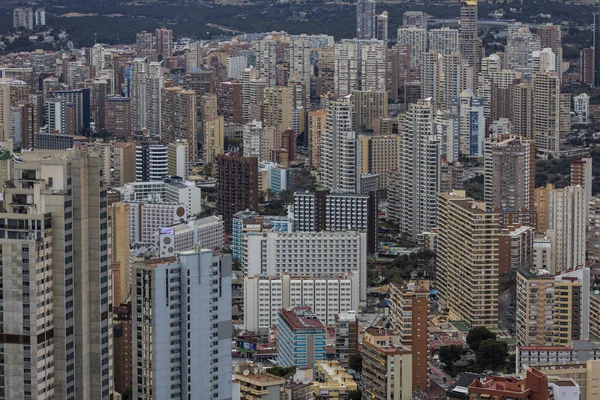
332, 382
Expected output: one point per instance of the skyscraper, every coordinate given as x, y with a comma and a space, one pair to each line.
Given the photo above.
509, 174
596, 49
382, 27
469, 42
237, 186
419, 170
182, 319
443, 40
178, 118
214, 138
550, 111
467, 260
147, 82
416, 38
164, 42
338, 145
151, 161
365, 19
60, 324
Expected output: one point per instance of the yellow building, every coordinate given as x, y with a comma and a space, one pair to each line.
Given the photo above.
586, 374
387, 367
214, 138
549, 309
255, 384
121, 270
332, 381
467, 260
316, 129
369, 105
378, 154
278, 107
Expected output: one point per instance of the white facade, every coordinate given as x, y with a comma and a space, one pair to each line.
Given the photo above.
416, 38
419, 177
235, 66
303, 253
210, 232
147, 82
338, 146
151, 162
579, 351
182, 316
581, 108
544, 61
145, 219
567, 221
327, 297
171, 192
443, 41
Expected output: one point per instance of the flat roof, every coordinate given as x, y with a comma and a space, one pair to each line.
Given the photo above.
301, 318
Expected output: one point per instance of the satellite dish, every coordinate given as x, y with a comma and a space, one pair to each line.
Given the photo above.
246, 372
306, 380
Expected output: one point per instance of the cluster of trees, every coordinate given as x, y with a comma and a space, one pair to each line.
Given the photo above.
405, 266
490, 354
282, 371
558, 171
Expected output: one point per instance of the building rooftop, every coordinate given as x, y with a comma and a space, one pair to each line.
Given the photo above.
301, 318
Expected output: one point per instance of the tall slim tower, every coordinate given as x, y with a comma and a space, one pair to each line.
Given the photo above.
365, 19
469, 43
597, 50
338, 145
146, 83
56, 231
164, 42
419, 170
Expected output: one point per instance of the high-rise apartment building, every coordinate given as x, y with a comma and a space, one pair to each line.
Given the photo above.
516, 248
277, 110
201, 82
322, 211
23, 18
328, 296
469, 43
443, 41
581, 108
346, 336
301, 340
79, 101
151, 161
182, 319
415, 18
338, 145
419, 170
147, 82
596, 49
325, 253
582, 175
520, 45
387, 366
586, 66
214, 138
378, 154
178, 159
550, 111
117, 116
368, 106
316, 129
164, 42
143, 41
266, 61
59, 325
178, 118
509, 174
229, 101
237, 186
416, 38
409, 308
121, 266
467, 260
359, 65
523, 110
551, 37
381, 27
559, 303
567, 220
123, 163
365, 19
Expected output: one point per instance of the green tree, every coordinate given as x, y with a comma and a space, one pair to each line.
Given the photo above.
355, 395
491, 354
450, 354
355, 362
286, 196
478, 335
